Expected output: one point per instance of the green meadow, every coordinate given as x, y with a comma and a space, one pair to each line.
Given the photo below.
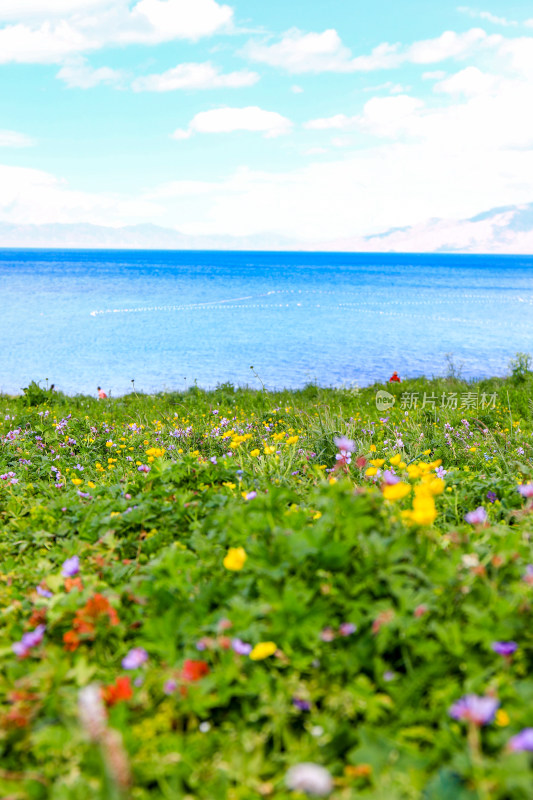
202, 591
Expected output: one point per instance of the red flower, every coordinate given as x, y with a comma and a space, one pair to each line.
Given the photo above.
71, 640
115, 692
194, 670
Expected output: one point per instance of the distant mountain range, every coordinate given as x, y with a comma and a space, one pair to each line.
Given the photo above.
501, 230
506, 230
147, 236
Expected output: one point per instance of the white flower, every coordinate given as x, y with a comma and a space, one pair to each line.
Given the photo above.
310, 778
92, 713
470, 560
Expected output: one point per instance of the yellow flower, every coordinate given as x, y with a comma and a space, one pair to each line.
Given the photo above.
435, 486
414, 471
109, 444
255, 452
395, 459
317, 515
424, 511
370, 471
235, 558
269, 449
402, 465
77, 481
156, 452
502, 718
263, 650
372, 448
332, 480
472, 449
292, 439
396, 491
427, 452
377, 462
91, 485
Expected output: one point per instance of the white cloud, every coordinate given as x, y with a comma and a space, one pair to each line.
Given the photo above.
15, 139
295, 89
47, 44
299, 52
450, 45
154, 21
228, 120
37, 9
77, 74
470, 81
38, 197
88, 26
195, 76
486, 15
382, 116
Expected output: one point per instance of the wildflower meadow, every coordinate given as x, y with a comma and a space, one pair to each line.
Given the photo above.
248, 594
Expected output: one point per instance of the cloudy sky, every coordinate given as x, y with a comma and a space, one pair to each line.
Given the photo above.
305, 119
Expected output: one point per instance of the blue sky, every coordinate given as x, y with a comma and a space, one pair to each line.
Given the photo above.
310, 120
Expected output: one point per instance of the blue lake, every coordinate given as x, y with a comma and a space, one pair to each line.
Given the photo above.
169, 318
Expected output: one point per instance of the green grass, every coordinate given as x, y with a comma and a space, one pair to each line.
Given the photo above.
379, 623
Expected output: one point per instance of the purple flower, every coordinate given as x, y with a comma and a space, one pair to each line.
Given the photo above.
440, 472
251, 495
240, 647
70, 567
492, 497
135, 658
213, 459
390, 478
43, 592
522, 740
170, 686
302, 705
477, 517
389, 675
526, 489
143, 468
504, 648
476, 709
29, 640
343, 443
347, 628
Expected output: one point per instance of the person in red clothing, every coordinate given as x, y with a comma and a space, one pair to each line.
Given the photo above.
394, 378
101, 394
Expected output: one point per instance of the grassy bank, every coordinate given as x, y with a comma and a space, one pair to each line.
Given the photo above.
199, 591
